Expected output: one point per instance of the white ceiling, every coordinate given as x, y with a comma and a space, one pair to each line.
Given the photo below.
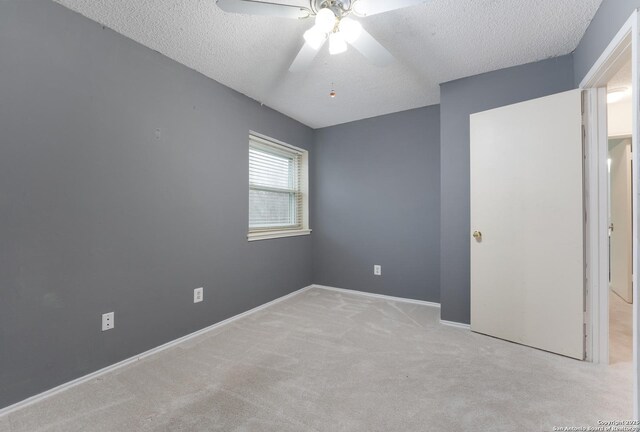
435, 42
619, 114
622, 78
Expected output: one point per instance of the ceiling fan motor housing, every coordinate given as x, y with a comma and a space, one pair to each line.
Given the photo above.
340, 8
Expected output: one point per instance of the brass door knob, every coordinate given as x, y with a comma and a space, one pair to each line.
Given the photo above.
477, 235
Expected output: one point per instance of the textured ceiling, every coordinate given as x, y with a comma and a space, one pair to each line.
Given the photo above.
622, 78
435, 42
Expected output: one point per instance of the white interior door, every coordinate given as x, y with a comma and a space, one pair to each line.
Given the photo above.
527, 269
621, 220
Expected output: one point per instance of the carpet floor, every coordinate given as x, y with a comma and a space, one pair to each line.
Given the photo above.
329, 361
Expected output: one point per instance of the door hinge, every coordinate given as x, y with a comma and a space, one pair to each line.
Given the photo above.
584, 142
584, 342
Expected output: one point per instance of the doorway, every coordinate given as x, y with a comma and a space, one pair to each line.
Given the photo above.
611, 130
620, 212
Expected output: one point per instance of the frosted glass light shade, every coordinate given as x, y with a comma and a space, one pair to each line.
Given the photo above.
315, 37
337, 43
350, 29
325, 20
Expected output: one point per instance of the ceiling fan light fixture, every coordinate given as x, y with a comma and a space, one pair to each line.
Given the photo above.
315, 37
350, 29
617, 94
337, 44
325, 20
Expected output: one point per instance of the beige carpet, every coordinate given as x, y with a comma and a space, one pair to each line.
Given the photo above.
326, 361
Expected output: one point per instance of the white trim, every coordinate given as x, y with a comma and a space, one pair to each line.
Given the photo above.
596, 227
608, 62
258, 139
620, 137
62, 387
304, 188
378, 296
48, 393
635, 74
601, 216
257, 235
455, 324
603, 69
268, 141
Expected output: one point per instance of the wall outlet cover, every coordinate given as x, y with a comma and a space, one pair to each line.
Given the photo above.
377, 270
108, 321
198, 295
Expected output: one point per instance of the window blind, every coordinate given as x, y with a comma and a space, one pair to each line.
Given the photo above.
275, 198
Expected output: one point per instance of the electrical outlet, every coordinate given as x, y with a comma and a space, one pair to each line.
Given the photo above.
108, 321
377, 270
197, 295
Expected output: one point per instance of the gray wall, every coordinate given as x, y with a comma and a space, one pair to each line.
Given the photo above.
97, 214
604, 26
376, 201
459, 99
100, 212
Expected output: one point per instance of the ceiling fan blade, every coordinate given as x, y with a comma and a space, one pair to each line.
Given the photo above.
372, 50
365, 8
304, 58
252, 7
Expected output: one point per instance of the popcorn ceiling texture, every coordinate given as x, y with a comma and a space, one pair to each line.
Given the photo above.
435, 42
622, 78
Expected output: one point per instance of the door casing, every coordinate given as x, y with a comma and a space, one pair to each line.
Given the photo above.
625, 42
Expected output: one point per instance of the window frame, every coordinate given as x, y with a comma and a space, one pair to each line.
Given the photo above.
257, 140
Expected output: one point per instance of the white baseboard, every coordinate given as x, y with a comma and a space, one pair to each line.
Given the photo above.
379, 296
455, 324
152, 351
62, 387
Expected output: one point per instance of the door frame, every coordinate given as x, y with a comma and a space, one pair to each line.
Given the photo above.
596, 194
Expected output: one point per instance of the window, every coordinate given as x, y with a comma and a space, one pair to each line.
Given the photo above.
278, 192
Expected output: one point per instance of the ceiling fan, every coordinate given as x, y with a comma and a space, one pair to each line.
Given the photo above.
332, 21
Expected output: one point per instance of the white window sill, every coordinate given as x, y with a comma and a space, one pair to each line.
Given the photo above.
254, 236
